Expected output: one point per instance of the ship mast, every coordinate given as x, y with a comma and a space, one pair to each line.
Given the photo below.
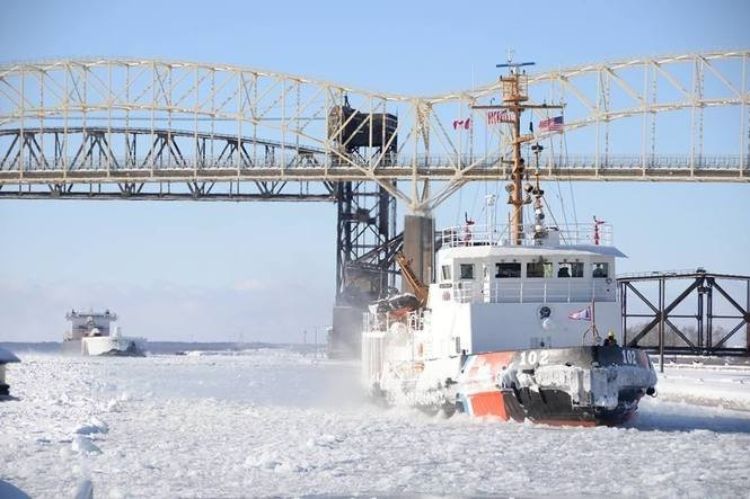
515, 86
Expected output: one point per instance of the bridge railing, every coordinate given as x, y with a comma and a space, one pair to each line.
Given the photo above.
295, 159
614, 162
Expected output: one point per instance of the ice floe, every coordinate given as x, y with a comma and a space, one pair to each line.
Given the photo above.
278, 423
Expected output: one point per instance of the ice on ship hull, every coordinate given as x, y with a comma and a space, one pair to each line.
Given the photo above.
582, 386
571, 386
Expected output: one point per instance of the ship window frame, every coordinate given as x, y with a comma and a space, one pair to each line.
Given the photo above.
445, 272
462, 275
594, 269
571, 266
548, 270
514, 264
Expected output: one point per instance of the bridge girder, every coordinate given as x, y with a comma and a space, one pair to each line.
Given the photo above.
99, 123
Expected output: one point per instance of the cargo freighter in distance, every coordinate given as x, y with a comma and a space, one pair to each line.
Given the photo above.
93, 334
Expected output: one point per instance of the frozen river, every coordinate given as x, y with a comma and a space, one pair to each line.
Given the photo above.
274, 422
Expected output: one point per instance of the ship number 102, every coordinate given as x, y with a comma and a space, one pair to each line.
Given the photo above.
628, 357
533, 356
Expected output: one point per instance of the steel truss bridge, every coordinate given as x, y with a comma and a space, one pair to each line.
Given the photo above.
168, 130
147, 128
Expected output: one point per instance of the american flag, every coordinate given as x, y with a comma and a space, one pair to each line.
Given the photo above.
551, 124
495, 117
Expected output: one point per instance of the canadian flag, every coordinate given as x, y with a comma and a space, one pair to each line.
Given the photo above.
462, 124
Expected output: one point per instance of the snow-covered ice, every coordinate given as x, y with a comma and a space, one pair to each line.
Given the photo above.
718, 386
275, 422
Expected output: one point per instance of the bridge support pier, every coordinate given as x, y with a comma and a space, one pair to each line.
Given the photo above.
419, 247
363, 278
365, 248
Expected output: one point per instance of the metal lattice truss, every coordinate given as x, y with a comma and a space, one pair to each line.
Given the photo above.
669, 321
172, 129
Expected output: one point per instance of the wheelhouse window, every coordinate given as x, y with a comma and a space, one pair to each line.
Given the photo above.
467, 270
445, 272
600, 269
507, 270
539, 268
570, 269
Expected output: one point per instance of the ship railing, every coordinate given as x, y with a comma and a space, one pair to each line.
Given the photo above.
378, 322
536, 292
375, 322
599, 234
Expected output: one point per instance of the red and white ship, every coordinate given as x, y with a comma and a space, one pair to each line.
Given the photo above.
510, 326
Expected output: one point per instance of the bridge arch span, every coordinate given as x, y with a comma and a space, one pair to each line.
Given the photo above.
620, 124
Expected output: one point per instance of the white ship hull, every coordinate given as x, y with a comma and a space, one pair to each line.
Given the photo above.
105, 345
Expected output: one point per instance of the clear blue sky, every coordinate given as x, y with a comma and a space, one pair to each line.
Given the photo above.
217, 271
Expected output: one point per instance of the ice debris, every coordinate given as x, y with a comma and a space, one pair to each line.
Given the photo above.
83, 445
94, 426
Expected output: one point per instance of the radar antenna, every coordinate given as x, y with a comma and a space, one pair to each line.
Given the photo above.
514, 100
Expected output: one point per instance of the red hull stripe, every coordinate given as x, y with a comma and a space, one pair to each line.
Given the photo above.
488, 404
480, 365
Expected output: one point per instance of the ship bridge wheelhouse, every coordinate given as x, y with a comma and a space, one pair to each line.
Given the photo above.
486, 269
506, 275
490, 295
